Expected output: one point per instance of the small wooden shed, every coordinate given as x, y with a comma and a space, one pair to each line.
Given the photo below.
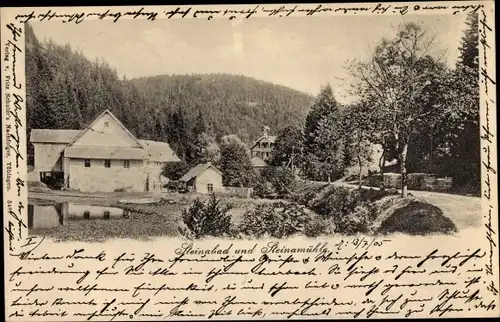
203, 178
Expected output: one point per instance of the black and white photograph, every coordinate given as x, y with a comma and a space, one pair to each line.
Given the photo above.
270, 161
257, 128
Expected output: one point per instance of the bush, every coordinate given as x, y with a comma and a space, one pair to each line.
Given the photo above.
175, 170
318, 226
263, 188
340, 201
282, 179
417, 218
358, 221
206, 219
277, 220
351, 211
392, 180
416, 181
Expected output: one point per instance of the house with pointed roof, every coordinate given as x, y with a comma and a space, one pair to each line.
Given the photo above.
105, 156
263, 147
203, 178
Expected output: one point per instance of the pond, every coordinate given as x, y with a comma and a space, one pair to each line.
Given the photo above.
59, 214
78, 221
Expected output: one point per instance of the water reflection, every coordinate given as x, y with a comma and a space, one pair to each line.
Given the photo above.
50, 216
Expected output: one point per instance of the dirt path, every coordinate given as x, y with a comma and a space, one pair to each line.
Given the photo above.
464, 211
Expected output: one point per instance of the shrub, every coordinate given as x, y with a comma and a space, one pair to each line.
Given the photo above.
416, 181
281, 178
206, 219
350, 210
392, 180
276, 220
340, 201
175, 170
417, 218
318, 226
263, 188
358, 221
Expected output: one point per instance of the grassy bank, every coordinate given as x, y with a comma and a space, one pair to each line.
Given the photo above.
329, 209
144, 221
373, 211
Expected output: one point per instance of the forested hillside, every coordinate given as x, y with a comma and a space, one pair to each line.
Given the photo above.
229, 104
66, 90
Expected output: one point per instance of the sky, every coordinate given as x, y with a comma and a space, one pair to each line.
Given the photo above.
303, 54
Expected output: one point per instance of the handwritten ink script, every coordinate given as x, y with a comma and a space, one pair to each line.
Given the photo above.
14, 138
336, 278
489, 166
348, 279
281, 11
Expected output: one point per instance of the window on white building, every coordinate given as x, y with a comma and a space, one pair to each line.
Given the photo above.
87, 163
126, 164
210, 187
107, 163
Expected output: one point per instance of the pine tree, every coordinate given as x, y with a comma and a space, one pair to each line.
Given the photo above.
323, 147
469, 47
235, 163
288, 149
465, 123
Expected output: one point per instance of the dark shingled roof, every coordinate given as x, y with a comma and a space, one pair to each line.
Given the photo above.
196, 171
153, 150
159, 151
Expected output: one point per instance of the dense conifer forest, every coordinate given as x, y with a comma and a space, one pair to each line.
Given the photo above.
66, 90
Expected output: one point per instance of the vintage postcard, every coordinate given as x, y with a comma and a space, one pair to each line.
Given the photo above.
260, 161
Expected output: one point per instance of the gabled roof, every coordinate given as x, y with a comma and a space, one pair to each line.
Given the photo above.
52, 136
96, 119
258, 162
196, 171
159, 151
270, 138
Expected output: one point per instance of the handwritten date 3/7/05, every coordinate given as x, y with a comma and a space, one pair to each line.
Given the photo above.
255, 281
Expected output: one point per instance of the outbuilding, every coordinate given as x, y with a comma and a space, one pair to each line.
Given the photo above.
204, 178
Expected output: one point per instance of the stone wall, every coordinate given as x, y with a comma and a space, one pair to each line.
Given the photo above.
416, 181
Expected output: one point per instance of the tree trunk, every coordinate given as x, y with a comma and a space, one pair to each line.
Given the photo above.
431, 154
360, 161
404, 179
360, 171
381, 164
